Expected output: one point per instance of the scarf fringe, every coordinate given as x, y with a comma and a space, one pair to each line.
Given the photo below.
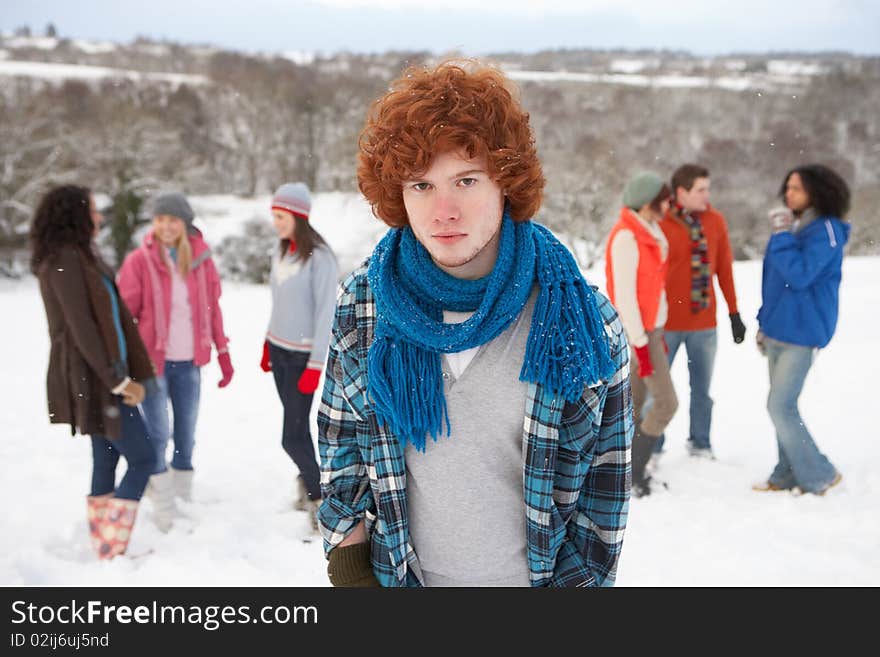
567, 347
414, 412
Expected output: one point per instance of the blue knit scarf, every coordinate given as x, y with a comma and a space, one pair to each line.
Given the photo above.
566, 350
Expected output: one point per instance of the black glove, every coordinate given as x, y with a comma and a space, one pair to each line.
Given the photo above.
738, 328
351, 566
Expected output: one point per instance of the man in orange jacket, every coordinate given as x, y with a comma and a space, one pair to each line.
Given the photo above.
699, 249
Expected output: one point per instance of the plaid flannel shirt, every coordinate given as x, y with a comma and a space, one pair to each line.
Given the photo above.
576, 474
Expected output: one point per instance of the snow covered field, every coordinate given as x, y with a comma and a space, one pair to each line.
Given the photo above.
707, 529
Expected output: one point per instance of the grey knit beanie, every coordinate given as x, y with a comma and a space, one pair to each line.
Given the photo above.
642, 189
176, 205
293, 197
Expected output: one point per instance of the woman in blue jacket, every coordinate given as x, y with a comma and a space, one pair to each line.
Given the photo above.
798, 315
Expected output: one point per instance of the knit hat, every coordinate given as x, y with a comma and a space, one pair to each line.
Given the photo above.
175, 205
293, 197
642, 189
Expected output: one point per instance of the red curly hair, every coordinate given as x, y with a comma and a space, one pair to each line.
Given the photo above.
456, 106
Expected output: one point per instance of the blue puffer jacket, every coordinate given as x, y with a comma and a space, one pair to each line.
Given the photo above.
801, 282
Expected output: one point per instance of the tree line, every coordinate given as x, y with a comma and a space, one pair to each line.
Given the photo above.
256, 121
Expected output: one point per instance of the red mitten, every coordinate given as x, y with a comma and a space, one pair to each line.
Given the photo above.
646, 369
308, 381
226, 368
266, 364
665, 346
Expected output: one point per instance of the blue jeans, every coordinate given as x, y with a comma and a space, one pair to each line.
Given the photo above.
700, 347
181, 384
296, 439
800, 461
135, 446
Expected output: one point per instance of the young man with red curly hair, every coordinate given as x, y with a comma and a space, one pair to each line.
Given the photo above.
476, 418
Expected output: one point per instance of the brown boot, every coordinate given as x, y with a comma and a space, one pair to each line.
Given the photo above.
642, 448
96, 508
114, 530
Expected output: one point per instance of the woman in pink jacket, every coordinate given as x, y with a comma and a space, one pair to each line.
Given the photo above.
172, 288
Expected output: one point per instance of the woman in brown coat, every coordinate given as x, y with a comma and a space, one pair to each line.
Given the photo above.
97, 363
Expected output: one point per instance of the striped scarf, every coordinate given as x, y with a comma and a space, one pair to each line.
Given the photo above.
567, 348
701, 276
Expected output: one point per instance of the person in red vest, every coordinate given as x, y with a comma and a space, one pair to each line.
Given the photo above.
699, 249
635, 271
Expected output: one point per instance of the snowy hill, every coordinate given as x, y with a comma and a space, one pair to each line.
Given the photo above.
152, 115
708, 528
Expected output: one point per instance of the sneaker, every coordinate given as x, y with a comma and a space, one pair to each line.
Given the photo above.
766, 486
301, 495
700, 452
833, 483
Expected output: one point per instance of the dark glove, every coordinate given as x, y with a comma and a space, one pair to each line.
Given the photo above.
351, 566
646, 369
266, 364
226, 368
739, 329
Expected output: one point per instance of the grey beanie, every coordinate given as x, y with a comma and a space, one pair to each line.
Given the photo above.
176, 205
293, 197
642, 189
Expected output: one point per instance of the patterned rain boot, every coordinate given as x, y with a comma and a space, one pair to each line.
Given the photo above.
114, 531
96, 508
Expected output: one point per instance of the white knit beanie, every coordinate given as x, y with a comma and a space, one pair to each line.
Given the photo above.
293, 197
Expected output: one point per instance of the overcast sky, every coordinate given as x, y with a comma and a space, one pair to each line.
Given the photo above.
327, 26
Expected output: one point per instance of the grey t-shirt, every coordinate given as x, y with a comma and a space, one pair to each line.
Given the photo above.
465, 492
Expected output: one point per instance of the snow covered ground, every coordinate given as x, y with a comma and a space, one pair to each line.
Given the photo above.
708, 528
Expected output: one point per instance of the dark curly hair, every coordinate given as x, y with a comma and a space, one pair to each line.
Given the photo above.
62, 218
828, 192
461, 105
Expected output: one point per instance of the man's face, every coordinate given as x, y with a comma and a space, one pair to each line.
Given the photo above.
455, 209
796, 197
696, 199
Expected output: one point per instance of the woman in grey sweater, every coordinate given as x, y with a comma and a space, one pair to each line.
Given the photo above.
303, 283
